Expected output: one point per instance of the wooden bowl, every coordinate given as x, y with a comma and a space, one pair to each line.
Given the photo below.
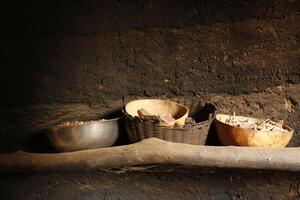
232, 135
159, 107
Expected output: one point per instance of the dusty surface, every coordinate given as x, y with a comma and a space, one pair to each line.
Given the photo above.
207, 184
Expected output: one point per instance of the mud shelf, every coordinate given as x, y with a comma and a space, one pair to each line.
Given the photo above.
154, 151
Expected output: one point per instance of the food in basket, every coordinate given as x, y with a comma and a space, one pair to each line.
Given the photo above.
143, 112
190, 120
166, 120
157, 107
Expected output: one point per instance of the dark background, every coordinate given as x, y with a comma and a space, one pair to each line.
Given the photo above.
93, 51
64, 60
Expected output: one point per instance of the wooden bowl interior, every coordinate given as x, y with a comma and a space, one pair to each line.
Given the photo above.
156, 107
222, 118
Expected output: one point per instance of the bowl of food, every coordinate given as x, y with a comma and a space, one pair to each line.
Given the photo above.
252, 132
171, 112
81, 135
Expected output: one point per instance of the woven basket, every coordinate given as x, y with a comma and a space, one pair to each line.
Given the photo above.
139, 129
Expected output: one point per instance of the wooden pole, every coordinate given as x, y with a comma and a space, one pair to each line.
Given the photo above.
155, 151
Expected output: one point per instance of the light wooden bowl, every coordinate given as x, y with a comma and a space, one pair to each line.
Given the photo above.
159, 107
231, 135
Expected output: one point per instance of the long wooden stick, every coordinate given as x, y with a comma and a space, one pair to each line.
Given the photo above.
155, 151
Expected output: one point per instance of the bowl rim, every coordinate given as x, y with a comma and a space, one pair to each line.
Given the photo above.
249, 131
147, 99
85, 122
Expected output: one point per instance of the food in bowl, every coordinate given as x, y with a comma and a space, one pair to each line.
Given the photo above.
252, 132
81, 135
165, 120
156, 107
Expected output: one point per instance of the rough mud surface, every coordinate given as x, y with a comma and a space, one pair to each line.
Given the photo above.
206, 184
96, 51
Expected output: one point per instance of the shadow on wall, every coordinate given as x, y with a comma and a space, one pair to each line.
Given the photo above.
35, 18
88, 51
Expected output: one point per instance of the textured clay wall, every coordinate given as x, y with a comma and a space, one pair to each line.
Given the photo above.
61, 56
81, 59
94, 51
